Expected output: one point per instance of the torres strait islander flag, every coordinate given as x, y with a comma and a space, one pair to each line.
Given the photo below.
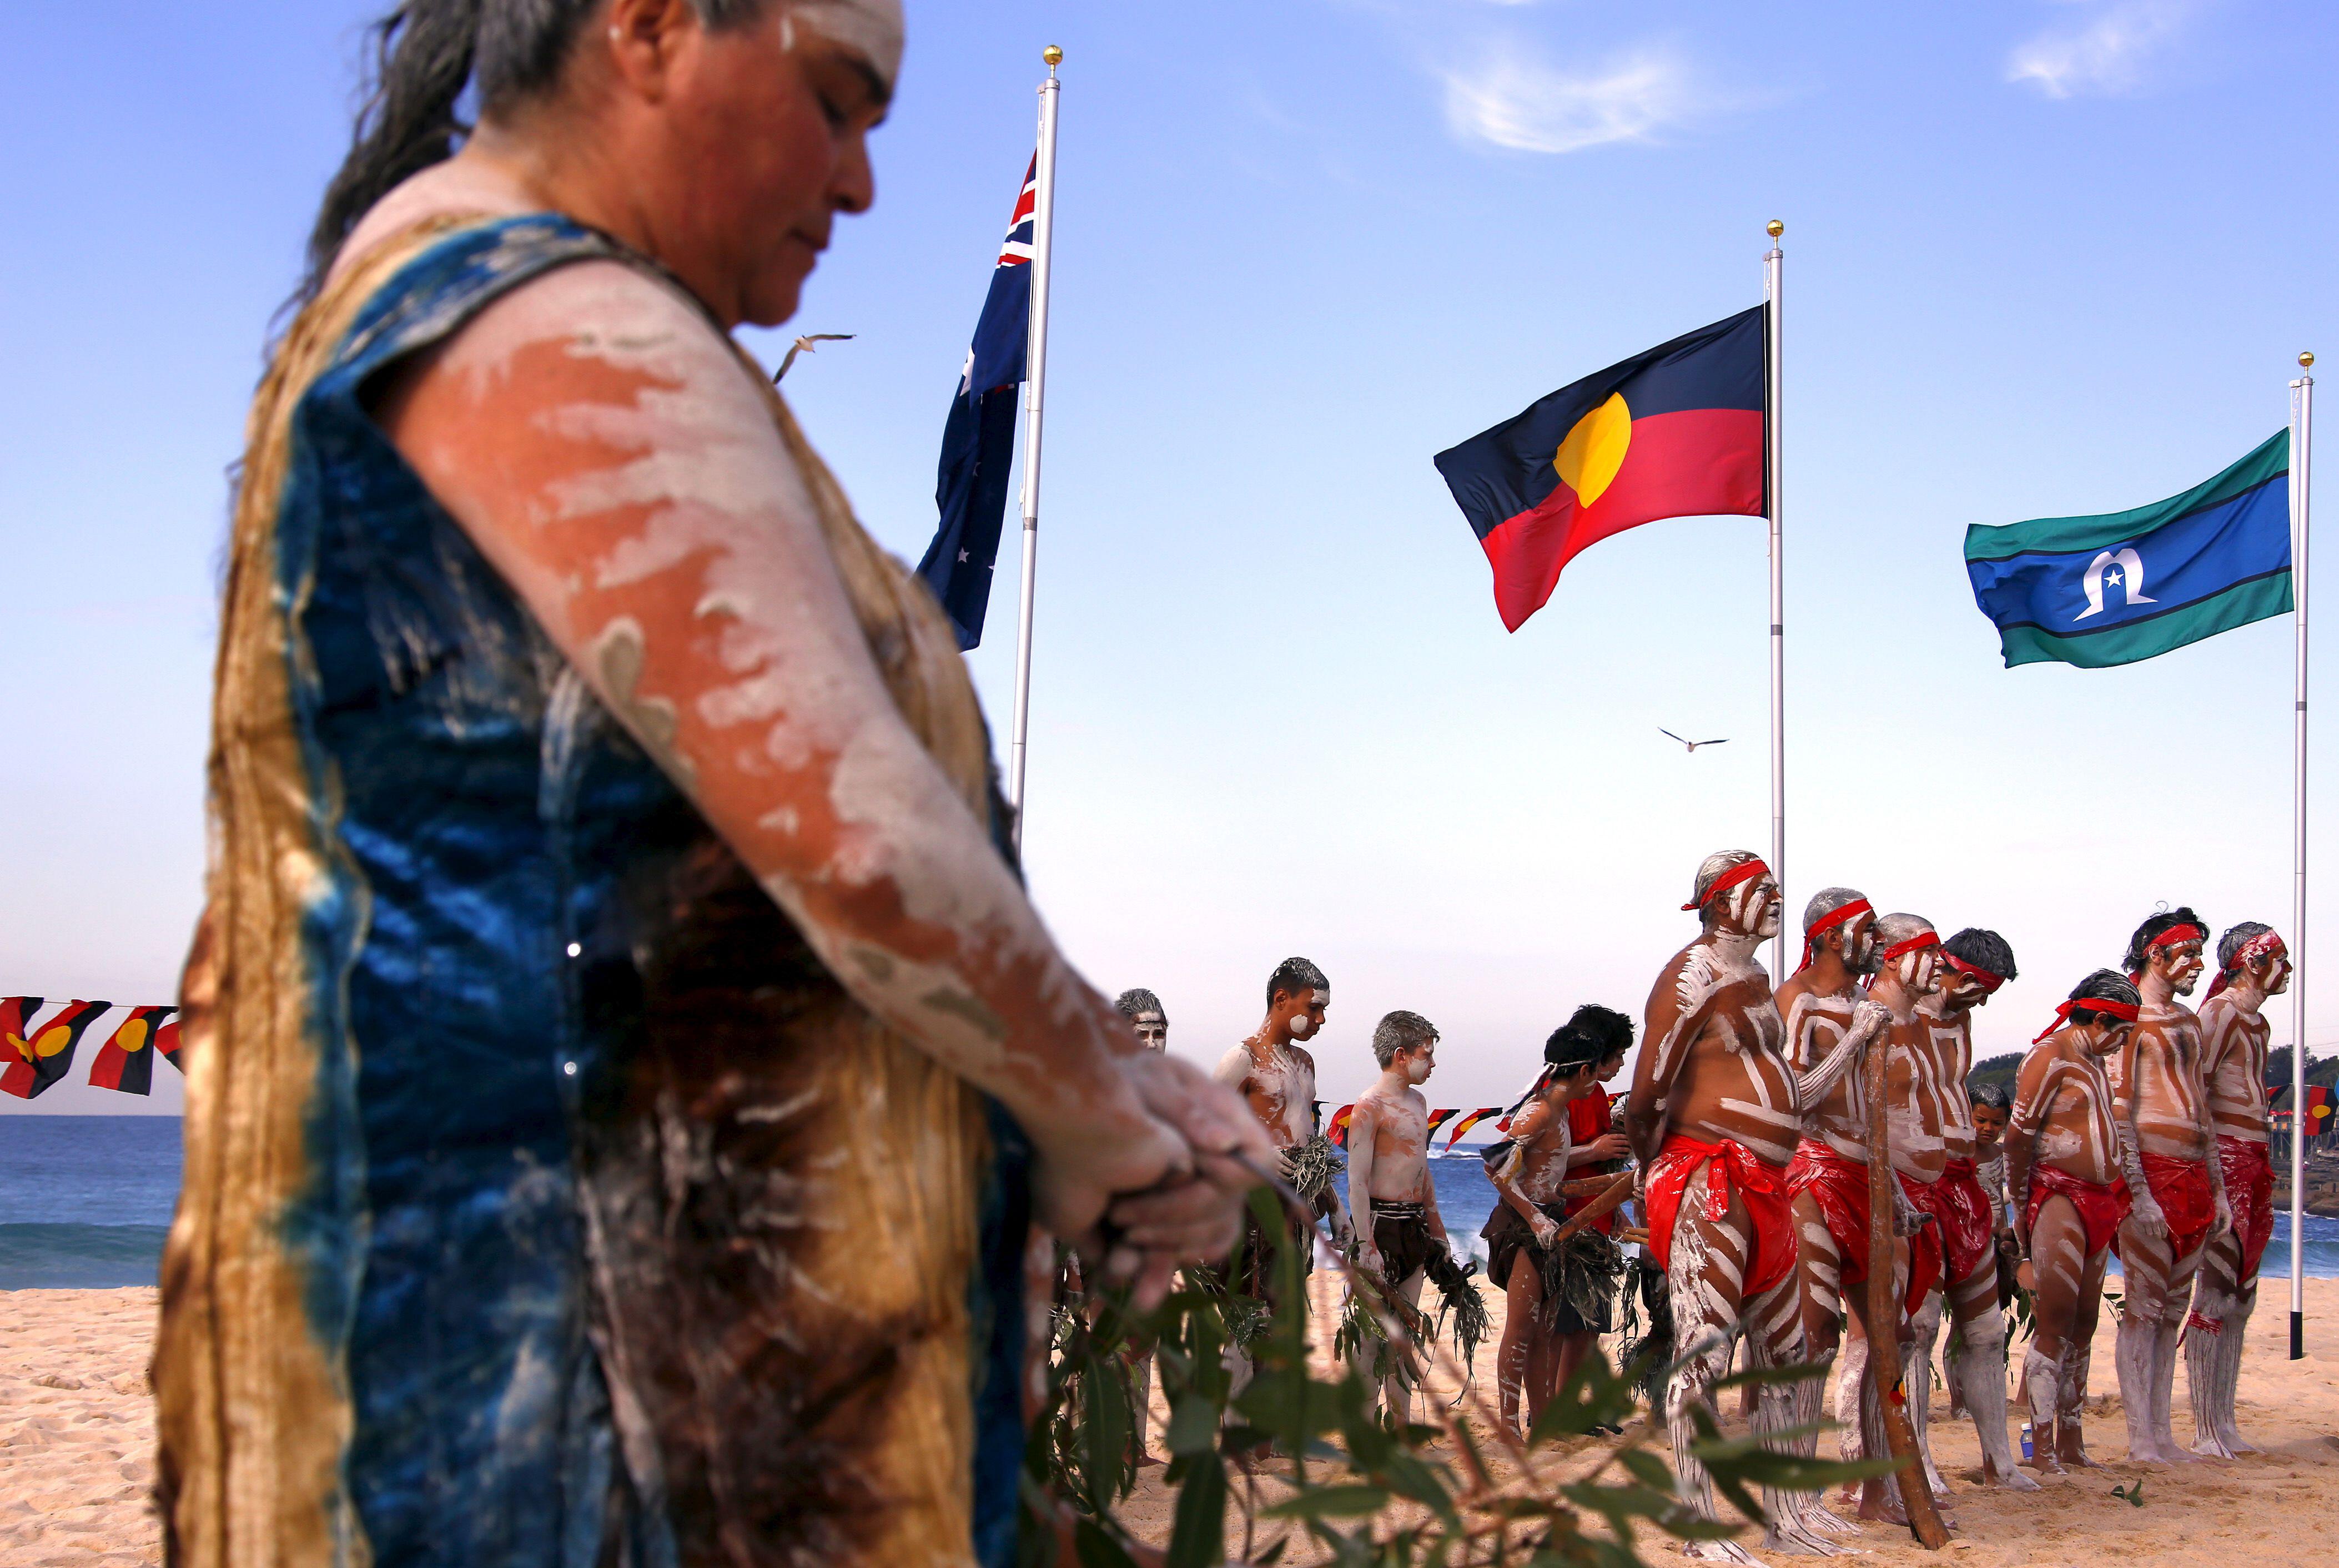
2125, 585
1676, 432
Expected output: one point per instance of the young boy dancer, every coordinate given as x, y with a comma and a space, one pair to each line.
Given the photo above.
1399, 1231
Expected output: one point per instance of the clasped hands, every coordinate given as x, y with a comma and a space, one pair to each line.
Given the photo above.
1149, 1206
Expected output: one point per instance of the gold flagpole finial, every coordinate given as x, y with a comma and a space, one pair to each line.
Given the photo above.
2306, 358
1053, 56
1774, 228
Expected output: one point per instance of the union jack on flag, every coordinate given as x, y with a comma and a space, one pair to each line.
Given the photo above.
979, 438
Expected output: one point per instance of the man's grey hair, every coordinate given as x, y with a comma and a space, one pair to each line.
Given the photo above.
1826, 902
1138, 1001
2230, 945
1400, 1030
1892, 930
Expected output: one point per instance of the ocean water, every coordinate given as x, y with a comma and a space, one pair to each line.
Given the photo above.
84, 1201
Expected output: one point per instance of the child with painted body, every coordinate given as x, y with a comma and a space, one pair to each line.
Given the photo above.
1713, 1119
2071, 1170
1388, 1182
2163, 1103
1529, 1170
1974, 964
2253, 964
1829, 1178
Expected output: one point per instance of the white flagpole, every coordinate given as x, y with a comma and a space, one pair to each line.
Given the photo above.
2302, 438
1773, 452
1035, 376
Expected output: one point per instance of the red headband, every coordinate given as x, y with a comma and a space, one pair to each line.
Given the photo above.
1990, 983
2178, 933
1746, 870
1828, 921
1917, 943
2123, 1010
2263, 945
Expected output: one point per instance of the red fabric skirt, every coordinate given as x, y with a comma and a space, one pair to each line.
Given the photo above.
1961, 1214
2249, 1192
1587, 1118
1736, 1170
1839, 1187
2101, 1205
2181, 1188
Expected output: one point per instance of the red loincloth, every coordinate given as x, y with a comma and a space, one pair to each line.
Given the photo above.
1587, 1118
2181, 1188
1839, 1187
1757, 1184
1961, 1214
2249, 1192
2101, 1205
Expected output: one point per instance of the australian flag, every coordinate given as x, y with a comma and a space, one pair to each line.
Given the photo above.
978, 440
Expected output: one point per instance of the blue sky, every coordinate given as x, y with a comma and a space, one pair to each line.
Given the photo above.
2044, 257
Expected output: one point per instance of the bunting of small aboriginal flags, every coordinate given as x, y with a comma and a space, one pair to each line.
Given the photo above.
126, 1061
1338, 1129
1437, 1119
43, 1055
35, 1057
1471, 1120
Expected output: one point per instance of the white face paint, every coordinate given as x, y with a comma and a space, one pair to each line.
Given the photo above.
1419, 1064
872, 28
1152, 1030
2182, 963
1305, 1023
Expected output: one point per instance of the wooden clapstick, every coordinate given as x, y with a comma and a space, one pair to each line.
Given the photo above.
1612, 1193
1884, 1309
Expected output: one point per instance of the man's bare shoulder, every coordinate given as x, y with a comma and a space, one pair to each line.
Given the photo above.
1234, 1068
1306, 1062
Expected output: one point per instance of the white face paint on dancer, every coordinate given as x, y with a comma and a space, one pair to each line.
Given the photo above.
872, 28
1152, 1030
1755, 907
2181, 963
1310, 1018
1419, 1064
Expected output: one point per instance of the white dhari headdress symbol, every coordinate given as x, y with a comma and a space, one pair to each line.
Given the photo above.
2126, 570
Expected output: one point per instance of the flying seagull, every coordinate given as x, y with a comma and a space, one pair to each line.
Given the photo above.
1692, 745
805, 345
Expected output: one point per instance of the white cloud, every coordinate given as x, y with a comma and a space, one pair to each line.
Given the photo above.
1512, 98
2109, 53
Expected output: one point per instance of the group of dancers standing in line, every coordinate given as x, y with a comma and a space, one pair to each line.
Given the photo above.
2138, 1125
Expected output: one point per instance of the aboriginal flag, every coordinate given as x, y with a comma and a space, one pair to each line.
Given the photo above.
127, 1061
1339, 1130
1676, 432
42, 1056
1471, 1120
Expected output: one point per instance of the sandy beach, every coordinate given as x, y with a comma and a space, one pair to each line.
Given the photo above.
77, 1434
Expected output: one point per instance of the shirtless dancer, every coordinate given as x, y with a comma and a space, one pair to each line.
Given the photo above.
1820, 1003
1528, 1173
2253, 964
1975, 963
1275, 1076
2071, 1168
1151, 1023
2164, 1106
1388, 1179
1713, 1118
1829, 1177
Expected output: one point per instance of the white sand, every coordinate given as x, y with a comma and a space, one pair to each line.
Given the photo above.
77, 1436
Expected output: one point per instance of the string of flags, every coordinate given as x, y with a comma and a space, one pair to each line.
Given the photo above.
40, 1055
1337, 1129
